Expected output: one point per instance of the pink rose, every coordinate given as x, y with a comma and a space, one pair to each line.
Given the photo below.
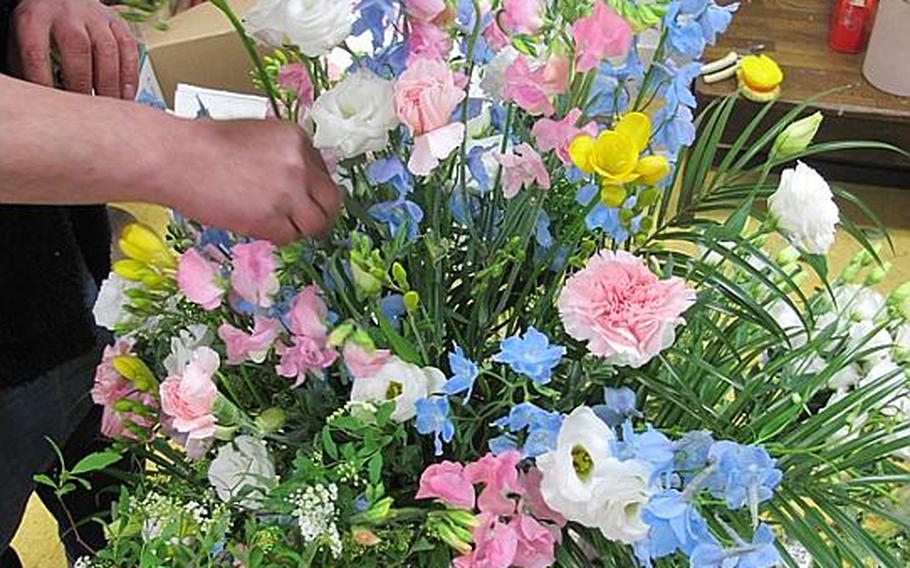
306, 354
197, 278
536, 547
424, 10
446, 481
523, 167
242, 346
522, 16
295, 78
601, 35
559, 134
308, 313
625, 313
533, 89
499, 475
362, 363
253, 277
428, 41
495, 545
188, 399
425, 97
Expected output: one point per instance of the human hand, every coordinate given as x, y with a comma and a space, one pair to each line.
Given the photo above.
95, 46
261, 178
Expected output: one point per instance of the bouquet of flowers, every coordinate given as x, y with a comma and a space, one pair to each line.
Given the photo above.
530, 340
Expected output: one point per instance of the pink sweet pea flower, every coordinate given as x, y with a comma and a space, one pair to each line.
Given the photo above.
429, 41
308, 313
495, 545
188, 399
305, 355
242, 346
499, 474
533, 502
446, 481
362, 363
536, 546
559, 134
522, 16
197, 279
425, 97
254, 278
523, 167
496, 39
294, 77
424, 10
601, 35
533, 89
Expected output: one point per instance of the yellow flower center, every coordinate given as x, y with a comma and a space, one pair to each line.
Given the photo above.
394, 390
582, 462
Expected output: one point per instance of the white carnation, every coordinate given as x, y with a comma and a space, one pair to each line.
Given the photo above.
401, 382
355, 116
242, 470
315, 26
494, 76
804, 209
109, 306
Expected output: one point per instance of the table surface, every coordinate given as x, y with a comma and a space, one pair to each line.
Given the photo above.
795, 34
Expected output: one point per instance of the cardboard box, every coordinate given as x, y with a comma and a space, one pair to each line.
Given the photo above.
200, 47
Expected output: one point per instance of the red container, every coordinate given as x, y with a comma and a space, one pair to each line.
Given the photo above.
851, 23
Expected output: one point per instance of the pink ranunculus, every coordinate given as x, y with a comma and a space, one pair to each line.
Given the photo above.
254, 278
495, 545
536, 543
428, 41
446, 481
306, 354
425, 97
496, 39
558, 134
532, 500
625, 313
499, 475
243, 346
188, 399
424, 10
601, 35
362, 363
522, 16
295, 78
197, 278
523, 167
533, 88
308, 313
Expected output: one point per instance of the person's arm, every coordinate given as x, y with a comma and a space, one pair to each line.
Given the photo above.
261, 178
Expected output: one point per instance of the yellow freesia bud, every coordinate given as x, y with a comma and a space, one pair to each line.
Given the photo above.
134, 369
614, 157
580, 151
130, 269
612, 195
637, 126
143, 244
652, 169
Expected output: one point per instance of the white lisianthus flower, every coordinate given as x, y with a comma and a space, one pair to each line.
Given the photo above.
183, 346
401, 382
108, 309
315, 26
804, 209
494, 77
242, 470
888, 371
788, 319
846, 377
902, 343
584, 482
873, 345
355, 116
858, 302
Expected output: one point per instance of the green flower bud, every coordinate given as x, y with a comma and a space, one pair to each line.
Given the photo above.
900, 299
123, 405
225, 433
134, 369
850, 273
796, 137
363, 339
378, 511
340, 334
648, 197
225, 412
463, 518
647, 223
365, 281
400, 276
877, 274
411, 301
451, 536
866, 258
271, 419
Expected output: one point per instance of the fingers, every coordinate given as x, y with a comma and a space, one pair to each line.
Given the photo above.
75, 48
33, 42
326, 195
281, 232
308, 217
129, 58
105, 59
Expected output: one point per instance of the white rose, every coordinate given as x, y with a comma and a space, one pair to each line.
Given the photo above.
804, 209
494, 76
242, 470
183, 346
315, 26
355, 116
401, 382
108, 309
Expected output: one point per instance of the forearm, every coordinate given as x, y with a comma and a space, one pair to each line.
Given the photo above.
61, 148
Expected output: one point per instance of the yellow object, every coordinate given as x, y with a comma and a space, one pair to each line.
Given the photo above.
129, 269
653, 168
580, 151
141, 243
154, 217
637, 126
612, 195
614, 157
759, 78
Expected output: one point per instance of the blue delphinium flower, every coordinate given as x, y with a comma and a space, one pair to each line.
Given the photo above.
464, 373
542, 430
392, 308
530, 355
601, 217
678, 88
692, 453
542, 230
692, 24
675, 525
390, 170
398, 214
618, 406
433, 418
502, 444
651, 446
760, 553
388, 63
743, 475
673, 128
477, 168
375, 16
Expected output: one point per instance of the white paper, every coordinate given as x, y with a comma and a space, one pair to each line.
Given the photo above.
197, 102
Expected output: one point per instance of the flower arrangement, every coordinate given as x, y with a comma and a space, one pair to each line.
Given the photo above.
528, 341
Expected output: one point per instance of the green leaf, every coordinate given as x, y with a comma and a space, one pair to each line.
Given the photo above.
96, 462
44, 480
375, 468
400, 346
328, 444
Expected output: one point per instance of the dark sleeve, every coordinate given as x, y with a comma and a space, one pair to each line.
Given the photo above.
6, 7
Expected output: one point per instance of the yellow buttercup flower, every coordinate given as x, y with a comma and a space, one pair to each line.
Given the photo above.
637, 126
652, 169
614, 157
141, 243
580, 151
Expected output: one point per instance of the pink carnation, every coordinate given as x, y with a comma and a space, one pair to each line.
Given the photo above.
425, 97
625, 313
601, 35
305, 355
424, 10
522, 16
294, 77
559, 134
197, 278
243, 346
536, 546
499, 475
495, 545
533, 88
523, 167
254, 278
362, 363
446, 481
188, 399
308, 313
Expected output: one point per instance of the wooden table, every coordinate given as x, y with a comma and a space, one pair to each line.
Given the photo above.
795, 34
